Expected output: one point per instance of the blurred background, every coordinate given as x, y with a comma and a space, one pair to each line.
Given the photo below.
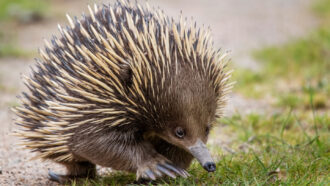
280, 51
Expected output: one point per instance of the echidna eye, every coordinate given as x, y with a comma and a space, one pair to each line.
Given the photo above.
207, 130
179, 132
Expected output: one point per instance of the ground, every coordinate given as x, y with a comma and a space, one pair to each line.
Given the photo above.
244, 142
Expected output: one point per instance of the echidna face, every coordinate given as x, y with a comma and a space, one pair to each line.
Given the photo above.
185, 135
188, 114
188, 111
191, 137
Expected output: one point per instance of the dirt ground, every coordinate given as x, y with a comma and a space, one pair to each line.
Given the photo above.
237, 25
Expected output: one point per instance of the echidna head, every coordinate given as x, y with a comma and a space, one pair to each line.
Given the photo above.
188, 116
191, 137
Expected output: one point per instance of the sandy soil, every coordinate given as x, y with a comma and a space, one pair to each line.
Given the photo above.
237, 25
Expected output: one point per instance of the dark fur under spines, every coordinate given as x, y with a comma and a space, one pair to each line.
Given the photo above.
114, 68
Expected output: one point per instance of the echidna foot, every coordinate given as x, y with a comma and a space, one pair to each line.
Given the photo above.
62, 179
171, 167
153, 170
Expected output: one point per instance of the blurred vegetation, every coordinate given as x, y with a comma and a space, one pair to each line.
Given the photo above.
9, 48
290, 71
23, 11
18, 12
322, 8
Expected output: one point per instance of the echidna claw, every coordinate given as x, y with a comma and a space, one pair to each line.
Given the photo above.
57, 178
150, 174
186, 173
158, 173
177, 170
164, 170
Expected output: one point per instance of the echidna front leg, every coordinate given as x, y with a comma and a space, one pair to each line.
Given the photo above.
124, 150
176, 155
74, 170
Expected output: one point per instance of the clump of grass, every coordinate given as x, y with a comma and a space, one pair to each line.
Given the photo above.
22, 10
299, 99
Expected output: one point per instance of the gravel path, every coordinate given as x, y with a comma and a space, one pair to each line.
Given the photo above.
237, 25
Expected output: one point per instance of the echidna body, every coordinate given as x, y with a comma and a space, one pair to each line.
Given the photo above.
127, 88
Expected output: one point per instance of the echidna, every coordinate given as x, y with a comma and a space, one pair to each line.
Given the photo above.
128, 88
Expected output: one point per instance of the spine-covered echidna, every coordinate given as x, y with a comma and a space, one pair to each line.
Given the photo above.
128, 88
